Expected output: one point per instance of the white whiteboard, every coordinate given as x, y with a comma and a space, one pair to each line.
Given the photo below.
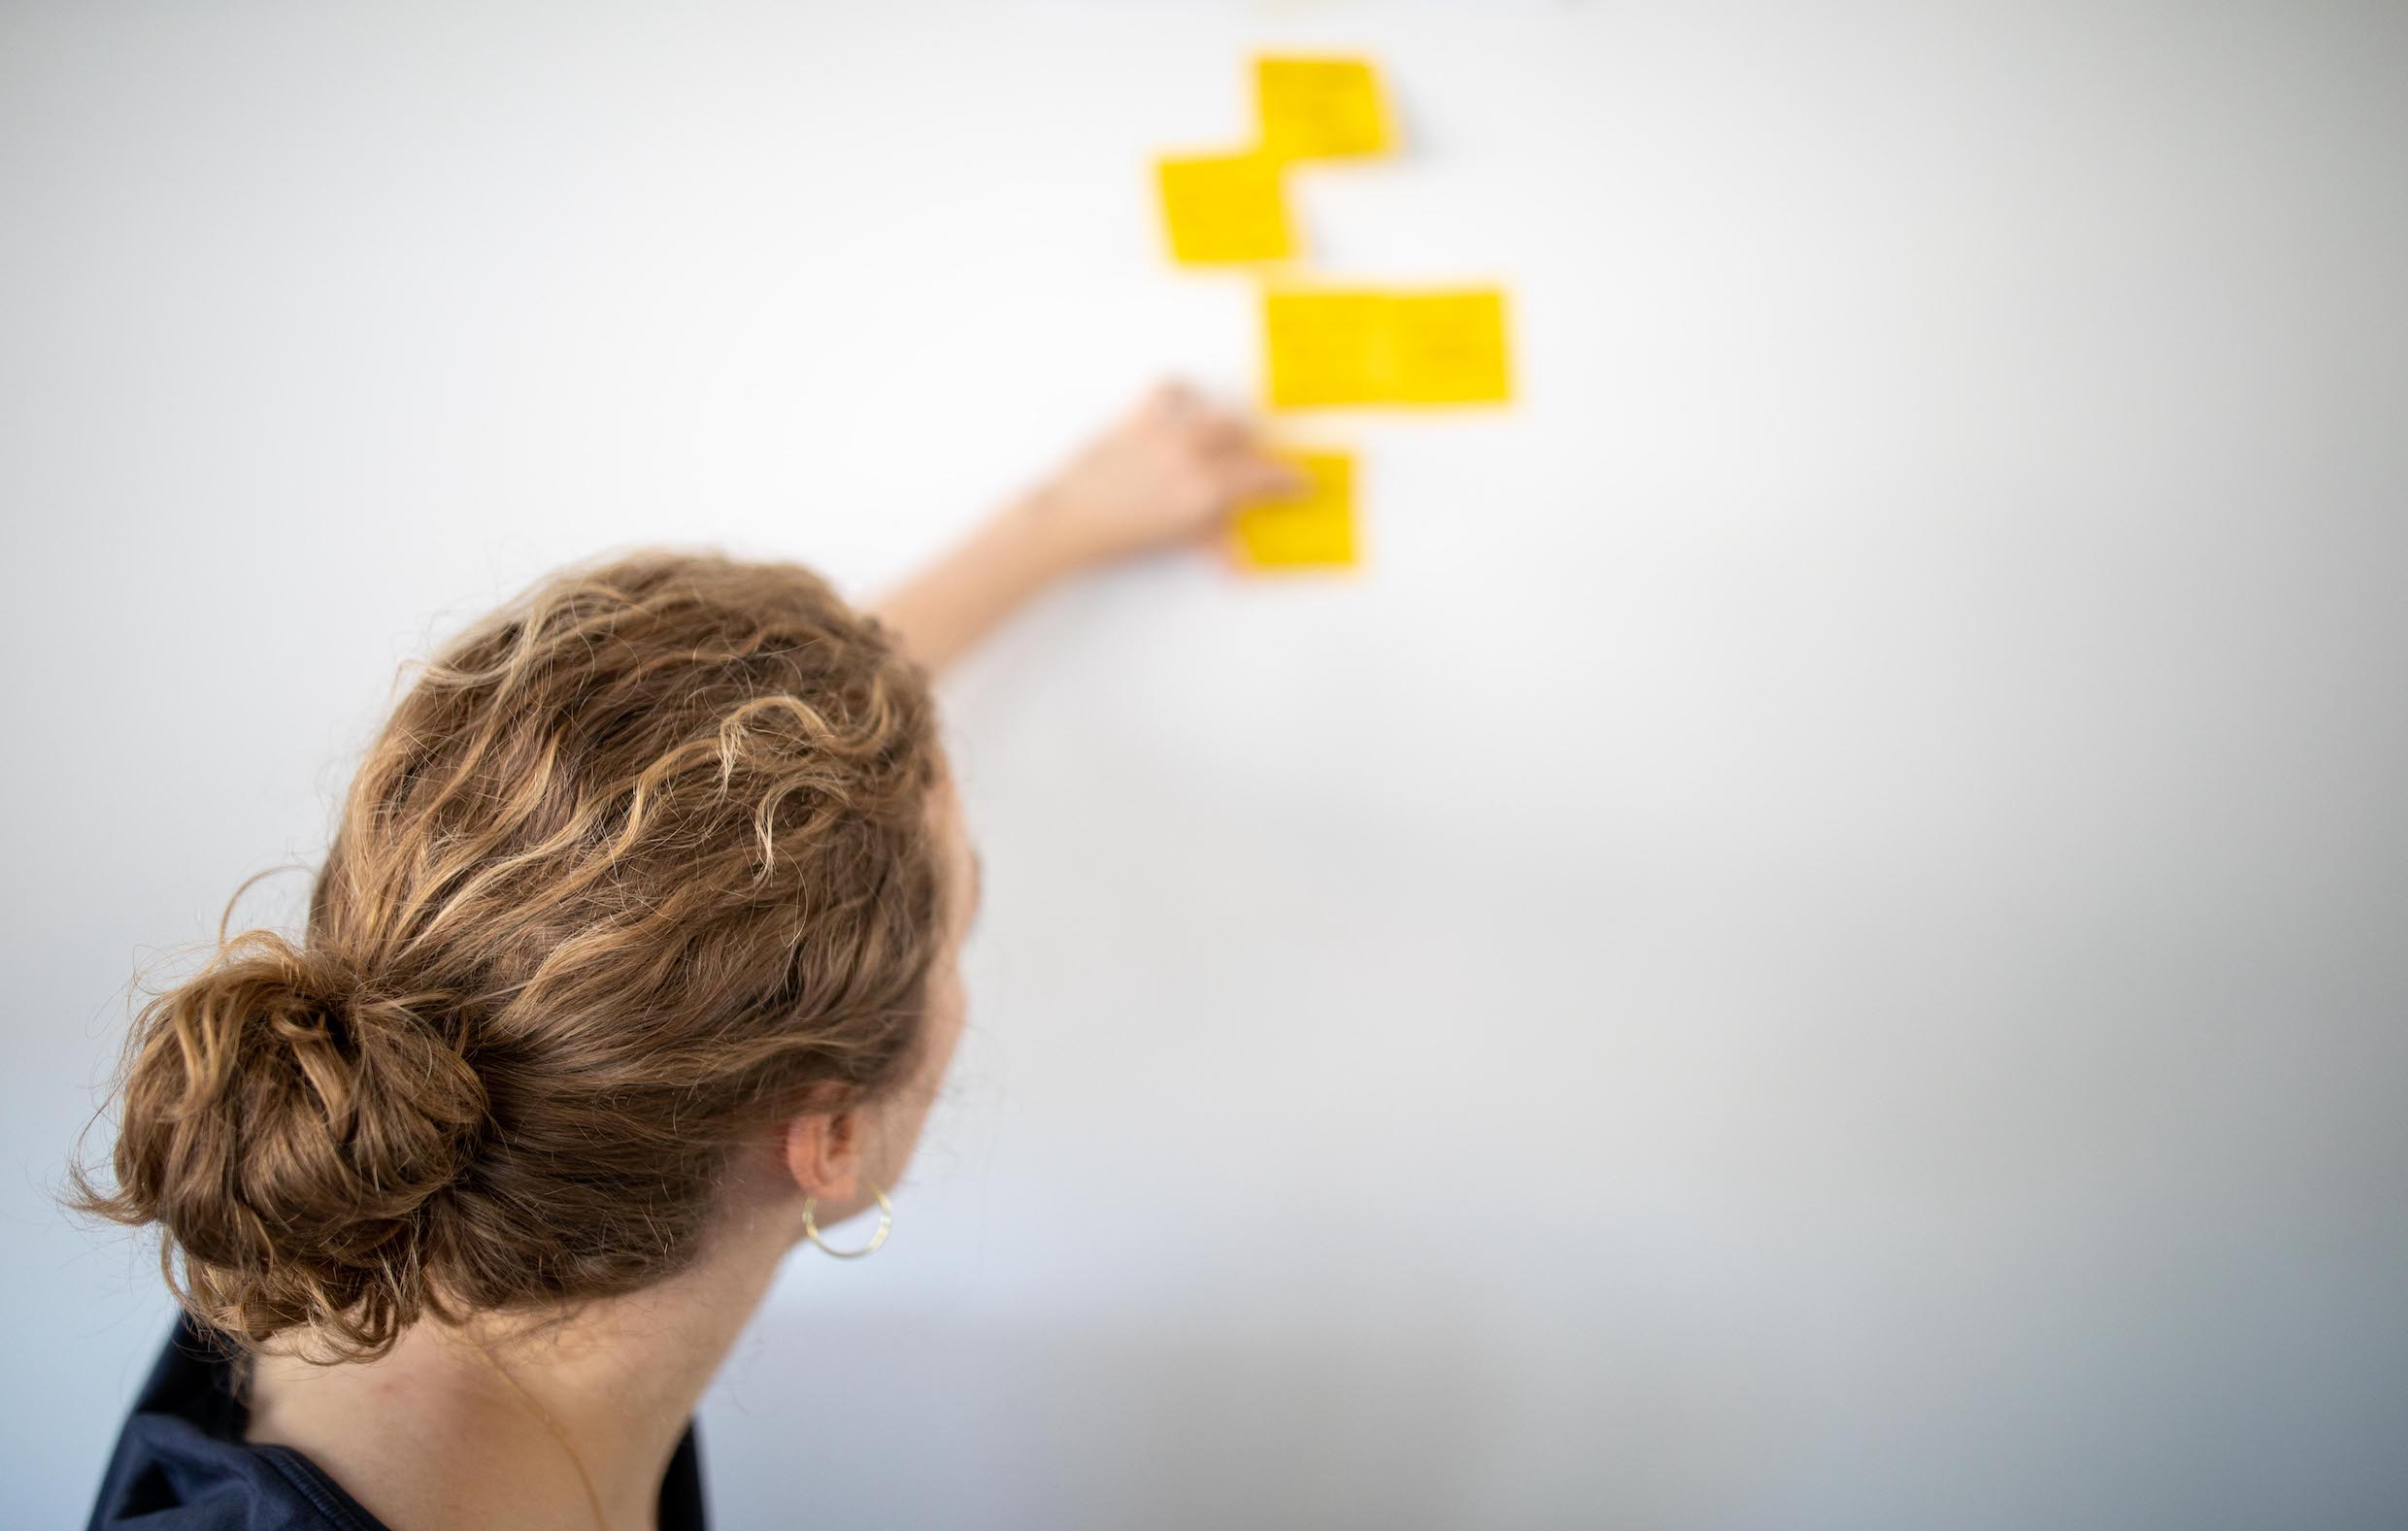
1814, 944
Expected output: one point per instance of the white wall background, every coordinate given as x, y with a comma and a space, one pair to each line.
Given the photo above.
1818, 944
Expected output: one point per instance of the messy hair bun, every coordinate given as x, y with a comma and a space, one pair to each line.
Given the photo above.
639, 863
286, 1125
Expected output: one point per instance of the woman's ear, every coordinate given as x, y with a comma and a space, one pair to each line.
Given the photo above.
823, 1154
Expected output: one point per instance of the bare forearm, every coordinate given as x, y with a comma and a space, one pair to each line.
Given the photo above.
1168, 473
943, 610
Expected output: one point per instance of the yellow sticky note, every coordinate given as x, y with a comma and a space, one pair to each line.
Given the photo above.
1328, 347
1325, 346
1314, 529
1449, 348
1223, 208
1319, 108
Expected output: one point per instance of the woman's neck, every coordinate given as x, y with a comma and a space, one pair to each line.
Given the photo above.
483, 1424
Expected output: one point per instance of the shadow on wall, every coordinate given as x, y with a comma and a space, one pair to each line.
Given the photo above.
869, 1421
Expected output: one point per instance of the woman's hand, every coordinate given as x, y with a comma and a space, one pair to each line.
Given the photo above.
1168, 475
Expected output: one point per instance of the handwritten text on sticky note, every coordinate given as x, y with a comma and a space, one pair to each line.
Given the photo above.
1225, 208
1311, 529
1328, 347
1319, 108
1448, 347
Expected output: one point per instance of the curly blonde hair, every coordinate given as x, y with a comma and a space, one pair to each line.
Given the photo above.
641, 863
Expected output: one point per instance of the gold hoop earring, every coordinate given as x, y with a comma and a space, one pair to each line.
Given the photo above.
886, 1221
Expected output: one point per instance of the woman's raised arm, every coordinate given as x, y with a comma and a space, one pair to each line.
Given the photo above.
1167, 474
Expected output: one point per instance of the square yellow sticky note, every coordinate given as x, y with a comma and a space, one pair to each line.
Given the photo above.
1319, 108
1325, 346
1314, 529
1223, 208
1449, 348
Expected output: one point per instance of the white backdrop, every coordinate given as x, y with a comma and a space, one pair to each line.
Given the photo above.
1816, 944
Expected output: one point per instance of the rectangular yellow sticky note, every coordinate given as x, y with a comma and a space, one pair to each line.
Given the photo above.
1223, 208
1449, 348
1310, 530
1326, 347
1319, 108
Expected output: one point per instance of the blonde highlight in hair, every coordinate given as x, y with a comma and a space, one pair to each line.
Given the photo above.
642, 863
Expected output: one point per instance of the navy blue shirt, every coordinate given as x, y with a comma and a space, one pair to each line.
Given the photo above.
182, 1463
